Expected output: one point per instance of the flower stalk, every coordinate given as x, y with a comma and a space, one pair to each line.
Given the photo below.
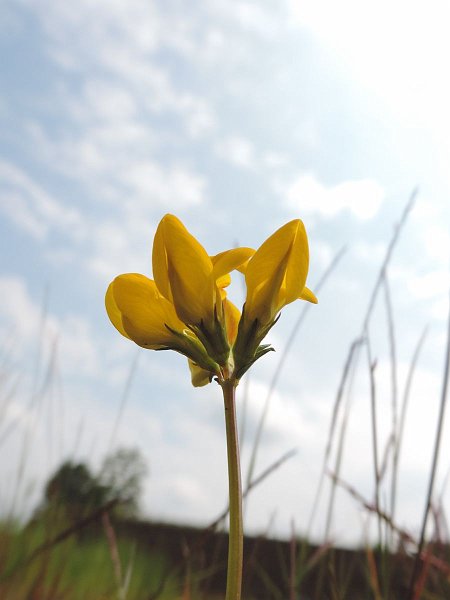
236, 536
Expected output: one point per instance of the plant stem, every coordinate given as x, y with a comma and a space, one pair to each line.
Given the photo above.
437, 445
235, 542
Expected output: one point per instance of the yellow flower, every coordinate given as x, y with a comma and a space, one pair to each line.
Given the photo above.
275, 276
185, 307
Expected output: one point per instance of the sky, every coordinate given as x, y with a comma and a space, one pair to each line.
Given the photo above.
237, 117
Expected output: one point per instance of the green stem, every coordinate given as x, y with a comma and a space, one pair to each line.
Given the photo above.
235, 543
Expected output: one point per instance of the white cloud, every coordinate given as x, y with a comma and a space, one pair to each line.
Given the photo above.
17, 310
252, 17
103, 100
362, 198
77, 348
436, 240
31, 208
369, 253
322, 255
137, 21
32, 325
112, 158
199, 116
288, 421
108, 143
237, 150
431, 285
121, 39
397, 49
96, 152
121, 248
112, 162
275, 160
154, 185
186, 490
142, 194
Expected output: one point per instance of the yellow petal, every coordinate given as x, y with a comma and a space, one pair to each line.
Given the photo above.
223, 281
159, 262
144, 311
114, 314
199, 376
183, 271
227, 261
298, 263
308, 295
276, 274
270, 268
232, 318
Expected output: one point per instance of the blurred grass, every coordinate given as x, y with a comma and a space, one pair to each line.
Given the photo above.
79, 568
169, 562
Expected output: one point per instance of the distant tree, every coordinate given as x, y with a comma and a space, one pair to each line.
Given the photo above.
73, 491
121, 474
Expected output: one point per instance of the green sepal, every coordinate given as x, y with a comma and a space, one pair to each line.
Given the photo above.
258, 354
248, 348
214, 339
193, 349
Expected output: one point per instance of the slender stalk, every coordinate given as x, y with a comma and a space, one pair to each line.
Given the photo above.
394, 392
235, 542
374, 422
437, 445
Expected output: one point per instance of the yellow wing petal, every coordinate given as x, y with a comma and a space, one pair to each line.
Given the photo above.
145, 312
114, 314
159, 262
227, 261
189, 271
276, 274
298, 263
308, 295
265, 274
199, 376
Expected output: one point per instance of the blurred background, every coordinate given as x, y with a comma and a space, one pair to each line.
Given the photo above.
237, 117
